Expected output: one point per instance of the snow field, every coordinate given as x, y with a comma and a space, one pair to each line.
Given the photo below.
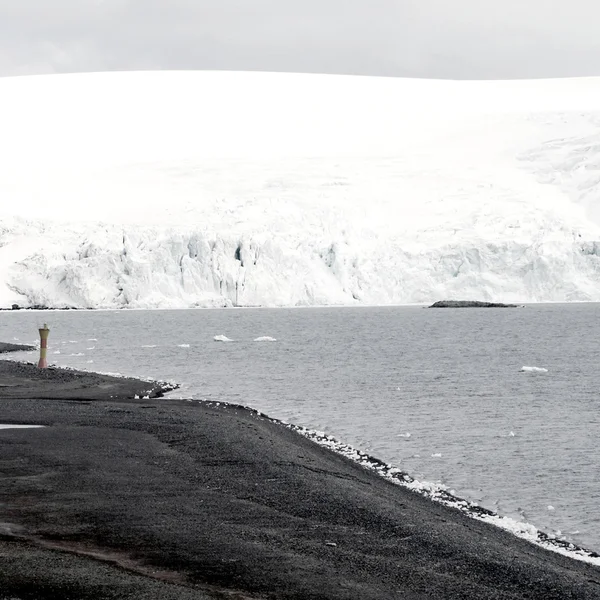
208, 189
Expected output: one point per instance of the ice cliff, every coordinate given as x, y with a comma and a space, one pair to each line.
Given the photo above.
216, 189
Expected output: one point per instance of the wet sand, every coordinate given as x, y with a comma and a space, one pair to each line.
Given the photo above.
159, 498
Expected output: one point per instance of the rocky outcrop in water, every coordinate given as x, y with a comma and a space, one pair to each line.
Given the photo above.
470, 304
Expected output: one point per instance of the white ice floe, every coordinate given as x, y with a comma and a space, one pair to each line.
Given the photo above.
265, 338
183, 345
77, 354
533, 370
91, 348
222, 338
404, 435
149, 346
436, 455
10, 426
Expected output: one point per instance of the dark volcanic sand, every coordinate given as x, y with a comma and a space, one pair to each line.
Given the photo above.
174, 499
23, 380
14, 348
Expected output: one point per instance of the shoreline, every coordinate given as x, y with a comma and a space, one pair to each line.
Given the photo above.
229, 474
264, 307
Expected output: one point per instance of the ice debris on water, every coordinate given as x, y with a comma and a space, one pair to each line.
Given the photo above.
440, 493
550, 507
183, 345
222, 338
511, 434
436, 455
265, 338
533, 370
404, 435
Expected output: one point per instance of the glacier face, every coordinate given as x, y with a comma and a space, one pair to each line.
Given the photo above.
150, 190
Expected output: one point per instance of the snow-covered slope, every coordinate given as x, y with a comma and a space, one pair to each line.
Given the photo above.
207, 189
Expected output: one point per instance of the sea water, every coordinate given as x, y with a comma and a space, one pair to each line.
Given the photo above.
439, 393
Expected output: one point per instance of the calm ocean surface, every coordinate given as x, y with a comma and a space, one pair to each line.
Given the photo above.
522, 444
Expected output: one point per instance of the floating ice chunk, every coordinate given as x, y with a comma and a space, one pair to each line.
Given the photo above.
550, 507
511, 434
77, 354
438, 455
404, 435
91, 348
89, 362
222, 338
533, 370
10, 426
149, 346
265, 338
56, 352
183, 345
92, 340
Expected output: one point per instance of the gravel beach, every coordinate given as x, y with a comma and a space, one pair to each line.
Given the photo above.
119, 497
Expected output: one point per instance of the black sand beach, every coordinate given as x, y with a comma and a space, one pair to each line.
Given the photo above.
4, 348
159, 498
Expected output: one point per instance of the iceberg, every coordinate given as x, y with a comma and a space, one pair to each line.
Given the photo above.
222, 338
213, 189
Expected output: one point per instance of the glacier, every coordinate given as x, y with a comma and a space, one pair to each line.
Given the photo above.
211, 189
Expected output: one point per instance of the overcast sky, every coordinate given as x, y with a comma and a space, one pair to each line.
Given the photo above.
472, 39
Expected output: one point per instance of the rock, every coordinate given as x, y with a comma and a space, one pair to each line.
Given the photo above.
470, 304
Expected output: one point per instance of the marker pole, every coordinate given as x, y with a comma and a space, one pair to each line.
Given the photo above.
43, 363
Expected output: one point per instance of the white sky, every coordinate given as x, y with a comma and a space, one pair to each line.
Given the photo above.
472, 39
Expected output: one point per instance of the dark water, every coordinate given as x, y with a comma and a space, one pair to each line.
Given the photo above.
518, 443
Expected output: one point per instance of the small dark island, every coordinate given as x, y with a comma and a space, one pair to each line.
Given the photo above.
470, 304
